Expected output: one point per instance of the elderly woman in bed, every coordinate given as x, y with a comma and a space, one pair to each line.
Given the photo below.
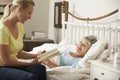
70, 54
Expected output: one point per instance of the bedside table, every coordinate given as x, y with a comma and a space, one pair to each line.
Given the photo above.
104, 71
29, 44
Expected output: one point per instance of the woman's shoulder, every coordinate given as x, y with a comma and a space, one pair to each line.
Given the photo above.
2, 26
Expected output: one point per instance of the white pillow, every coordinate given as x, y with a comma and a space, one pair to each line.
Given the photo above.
92, 54
103, 55
64, 43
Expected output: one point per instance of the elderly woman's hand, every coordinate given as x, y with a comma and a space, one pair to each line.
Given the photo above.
35, 61
46, 62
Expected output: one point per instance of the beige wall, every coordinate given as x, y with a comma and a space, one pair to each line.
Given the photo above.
94, 8
87, 8
40, 18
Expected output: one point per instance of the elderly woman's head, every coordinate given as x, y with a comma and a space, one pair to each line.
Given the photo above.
83, 46
91, 40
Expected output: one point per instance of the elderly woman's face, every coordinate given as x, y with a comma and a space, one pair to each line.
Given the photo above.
82, 47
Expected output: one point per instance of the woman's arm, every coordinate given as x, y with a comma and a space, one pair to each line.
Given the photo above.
8, 61
26, 55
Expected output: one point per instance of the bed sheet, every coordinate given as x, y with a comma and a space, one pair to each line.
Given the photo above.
62, 72
68, 73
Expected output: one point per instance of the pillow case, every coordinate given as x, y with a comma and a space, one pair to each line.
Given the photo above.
103, 55
64, 43
92, 54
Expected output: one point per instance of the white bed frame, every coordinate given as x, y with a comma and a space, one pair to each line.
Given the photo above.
73, 32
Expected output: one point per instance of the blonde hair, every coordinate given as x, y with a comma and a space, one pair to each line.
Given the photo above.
11, 6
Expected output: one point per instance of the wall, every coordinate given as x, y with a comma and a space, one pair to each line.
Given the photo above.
53, 33
40, 18
119, 9
95, 8
88, 8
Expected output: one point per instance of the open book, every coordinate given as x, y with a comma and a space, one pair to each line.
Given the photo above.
48, 54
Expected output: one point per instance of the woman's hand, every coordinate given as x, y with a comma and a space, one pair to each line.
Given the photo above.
35, 61
47, 61
36, 58
40, 52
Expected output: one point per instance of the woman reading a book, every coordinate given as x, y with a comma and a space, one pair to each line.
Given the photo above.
70, 55
11, 44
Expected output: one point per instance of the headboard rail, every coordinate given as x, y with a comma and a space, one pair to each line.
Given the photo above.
74, 32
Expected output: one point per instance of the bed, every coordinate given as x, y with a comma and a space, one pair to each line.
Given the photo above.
108, 35
108, 40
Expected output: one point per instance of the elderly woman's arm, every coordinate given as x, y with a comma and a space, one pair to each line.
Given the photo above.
50, 63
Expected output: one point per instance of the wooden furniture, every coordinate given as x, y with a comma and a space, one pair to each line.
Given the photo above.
29, 44
104, 71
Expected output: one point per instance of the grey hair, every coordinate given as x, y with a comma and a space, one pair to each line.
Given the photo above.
12, 5
91, 39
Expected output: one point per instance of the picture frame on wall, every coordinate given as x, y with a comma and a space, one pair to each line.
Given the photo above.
3, 3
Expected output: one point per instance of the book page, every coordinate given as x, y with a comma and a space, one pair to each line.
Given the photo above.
49, 54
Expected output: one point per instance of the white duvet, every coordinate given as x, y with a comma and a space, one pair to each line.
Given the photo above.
68, 73
81, 72
62, 72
